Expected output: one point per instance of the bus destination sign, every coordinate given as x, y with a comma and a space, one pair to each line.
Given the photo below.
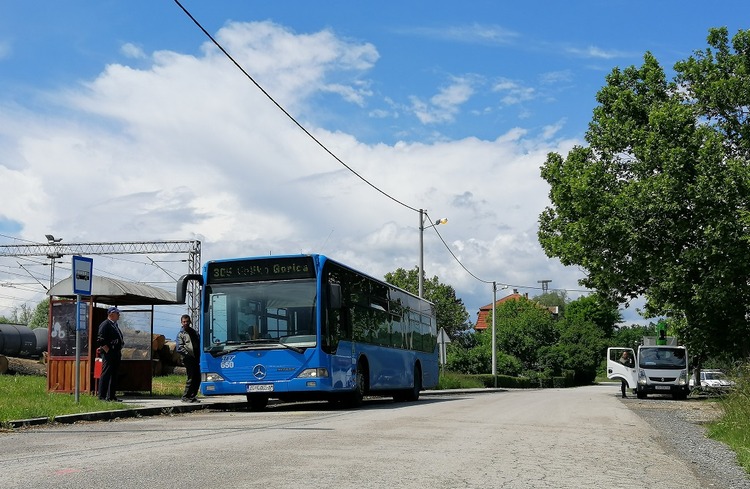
260, 269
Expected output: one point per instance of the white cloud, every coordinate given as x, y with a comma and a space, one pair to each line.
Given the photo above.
132, 51
513, 92
444, 105
595, 52
472, 34
188, 147
349, 93
556, 77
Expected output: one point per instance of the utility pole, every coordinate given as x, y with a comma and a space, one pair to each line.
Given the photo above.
53, 255
545, 285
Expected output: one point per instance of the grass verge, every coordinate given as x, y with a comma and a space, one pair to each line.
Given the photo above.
26, 397
733, 428
453, 380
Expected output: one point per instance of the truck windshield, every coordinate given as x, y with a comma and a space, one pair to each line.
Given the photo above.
668, 358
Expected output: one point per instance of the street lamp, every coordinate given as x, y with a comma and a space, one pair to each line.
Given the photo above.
422, 227
494, 355
52, 241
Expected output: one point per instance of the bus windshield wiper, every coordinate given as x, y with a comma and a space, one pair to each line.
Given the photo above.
233, 346
275, 341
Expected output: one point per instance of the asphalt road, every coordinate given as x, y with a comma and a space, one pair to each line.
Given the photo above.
562, 438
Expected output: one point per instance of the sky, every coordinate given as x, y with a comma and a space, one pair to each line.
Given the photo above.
122, 121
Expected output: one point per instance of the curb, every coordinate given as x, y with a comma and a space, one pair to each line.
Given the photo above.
138, 411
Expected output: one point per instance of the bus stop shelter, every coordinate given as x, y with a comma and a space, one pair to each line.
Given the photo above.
135, 300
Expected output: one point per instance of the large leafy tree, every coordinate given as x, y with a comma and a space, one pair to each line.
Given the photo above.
579, 348
478, 359
595, 310
654, 205
523, 329
450, 310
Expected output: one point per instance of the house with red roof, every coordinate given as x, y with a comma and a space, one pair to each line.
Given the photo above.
485, 312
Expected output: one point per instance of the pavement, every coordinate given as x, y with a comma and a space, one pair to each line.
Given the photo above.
139, 405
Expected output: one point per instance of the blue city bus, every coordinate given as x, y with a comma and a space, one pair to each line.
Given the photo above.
305, 327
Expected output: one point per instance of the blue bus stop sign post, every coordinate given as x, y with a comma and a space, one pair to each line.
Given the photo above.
82, 279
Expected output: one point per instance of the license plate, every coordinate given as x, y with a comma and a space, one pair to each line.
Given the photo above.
662, 387
260, 387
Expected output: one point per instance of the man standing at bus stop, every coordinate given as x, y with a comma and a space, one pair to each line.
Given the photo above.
188, 348
109, 341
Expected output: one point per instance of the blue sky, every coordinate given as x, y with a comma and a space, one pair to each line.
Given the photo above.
447, 106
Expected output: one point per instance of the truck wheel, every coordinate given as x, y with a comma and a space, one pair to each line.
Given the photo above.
640, 395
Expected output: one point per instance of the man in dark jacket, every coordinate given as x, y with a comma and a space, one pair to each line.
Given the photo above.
188, 346
109, 341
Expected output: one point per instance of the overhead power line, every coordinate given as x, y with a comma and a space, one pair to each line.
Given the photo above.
290, 116
319, 143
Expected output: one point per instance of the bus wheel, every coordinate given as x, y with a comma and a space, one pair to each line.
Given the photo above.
413, 393
360, 385
257, 403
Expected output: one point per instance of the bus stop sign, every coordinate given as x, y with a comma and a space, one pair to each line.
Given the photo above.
82, 275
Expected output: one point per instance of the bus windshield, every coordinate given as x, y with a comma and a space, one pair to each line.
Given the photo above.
252, 315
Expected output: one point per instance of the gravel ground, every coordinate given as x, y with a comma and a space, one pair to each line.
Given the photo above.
680, 425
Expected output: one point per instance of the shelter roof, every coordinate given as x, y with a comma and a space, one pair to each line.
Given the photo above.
116, 292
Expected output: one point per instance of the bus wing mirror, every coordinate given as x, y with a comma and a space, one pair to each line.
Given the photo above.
334, 295
182, 283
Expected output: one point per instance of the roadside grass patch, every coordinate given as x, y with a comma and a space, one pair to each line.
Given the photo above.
453, 380
168, 385
733, 428
26, 397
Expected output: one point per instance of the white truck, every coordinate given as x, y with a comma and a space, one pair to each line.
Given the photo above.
657, 369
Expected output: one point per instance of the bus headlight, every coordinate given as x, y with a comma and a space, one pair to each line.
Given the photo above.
313, 373
211, 377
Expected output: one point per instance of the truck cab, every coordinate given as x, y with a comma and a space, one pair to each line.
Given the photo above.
658, 369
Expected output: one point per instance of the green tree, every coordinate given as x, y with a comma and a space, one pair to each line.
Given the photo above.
450, 310
21, 315
594, 309
631, 336
654, 205
40, 316
523, 328
579, 348
556, 298
478, 358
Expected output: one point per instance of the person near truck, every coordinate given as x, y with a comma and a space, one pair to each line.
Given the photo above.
188, 348
627, 360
